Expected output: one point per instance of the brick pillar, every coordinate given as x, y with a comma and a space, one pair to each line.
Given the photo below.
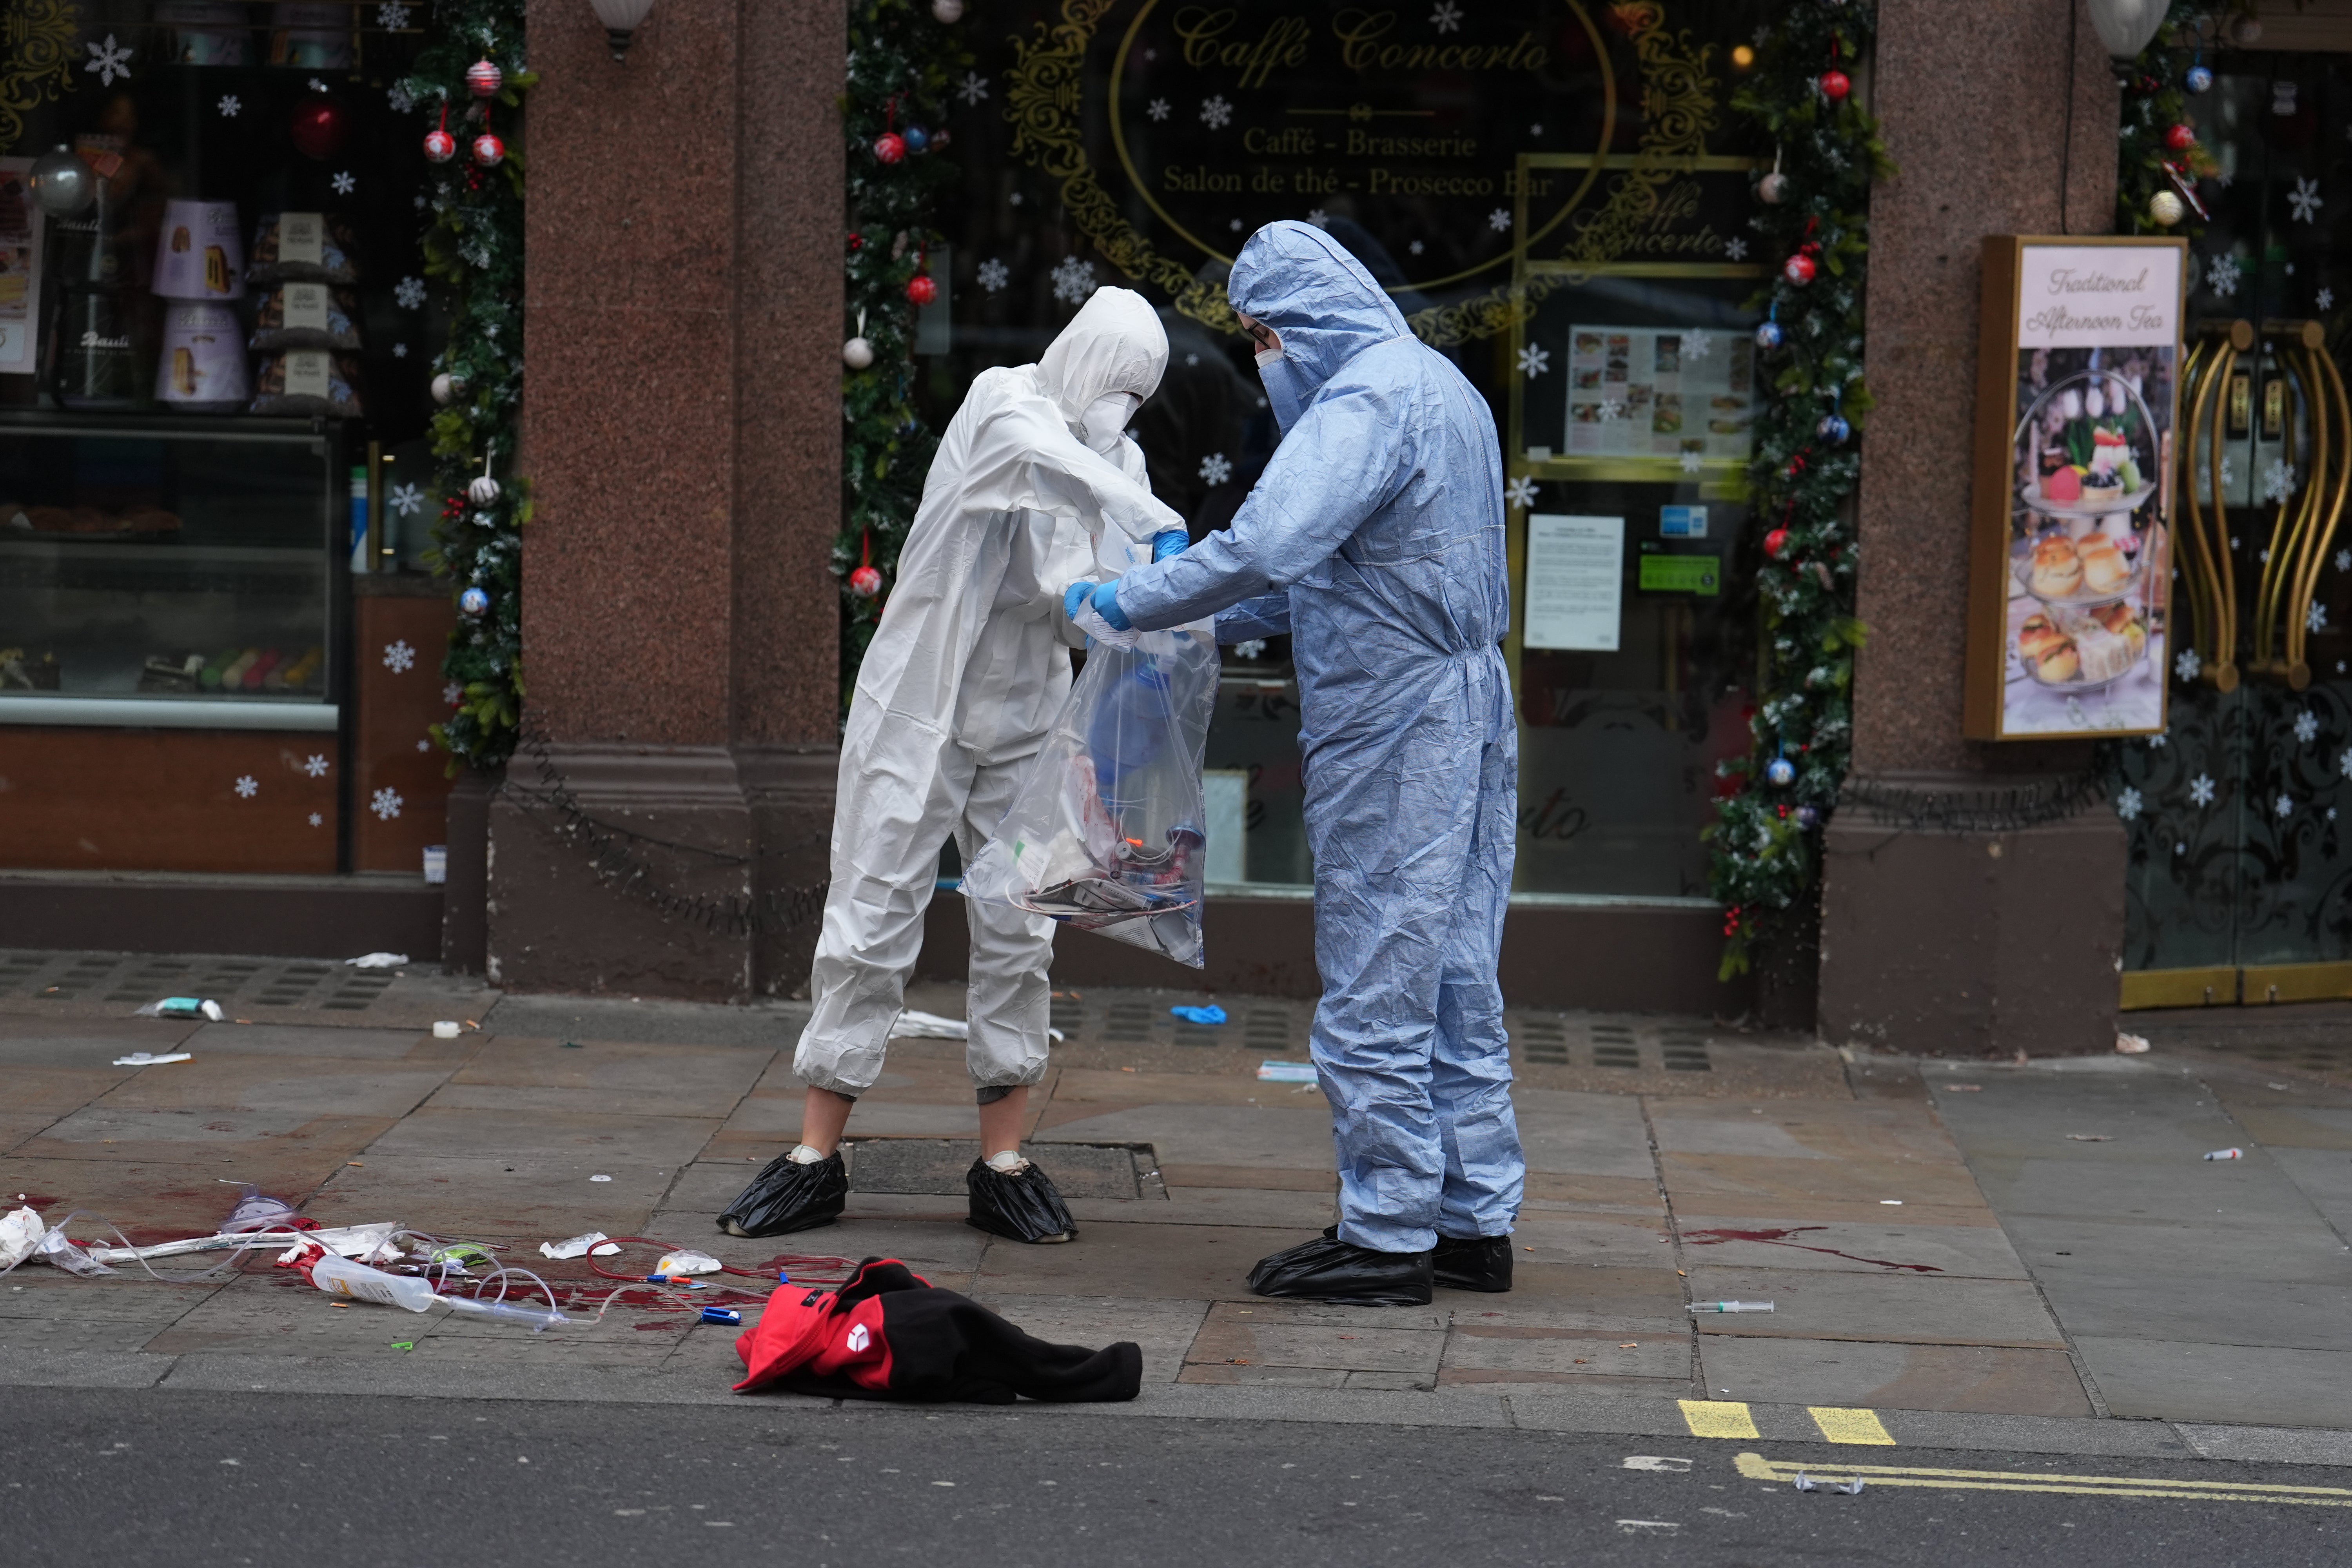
681, 433
1937, 935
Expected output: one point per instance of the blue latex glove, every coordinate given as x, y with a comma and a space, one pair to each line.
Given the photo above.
1107, 607
1074, 595
1168, 541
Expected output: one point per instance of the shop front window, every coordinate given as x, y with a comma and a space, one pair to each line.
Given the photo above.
1538, 186
215, 343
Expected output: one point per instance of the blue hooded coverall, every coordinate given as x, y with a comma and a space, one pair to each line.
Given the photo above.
1375, 539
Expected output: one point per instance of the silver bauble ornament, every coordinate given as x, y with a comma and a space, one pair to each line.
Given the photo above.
948, 11
62, 183
483, 491
447, 389
2165, 209
1772, 189
857, 353
2245, 30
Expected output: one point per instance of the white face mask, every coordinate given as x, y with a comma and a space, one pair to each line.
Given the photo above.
1106, 417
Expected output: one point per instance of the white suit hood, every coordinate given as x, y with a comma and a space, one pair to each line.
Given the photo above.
1115, 343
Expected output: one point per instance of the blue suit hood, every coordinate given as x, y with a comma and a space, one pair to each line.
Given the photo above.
1303, 283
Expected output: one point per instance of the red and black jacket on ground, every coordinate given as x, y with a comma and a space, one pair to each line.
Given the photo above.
888, 1334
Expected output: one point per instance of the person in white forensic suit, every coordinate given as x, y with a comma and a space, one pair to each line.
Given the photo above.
1034, 481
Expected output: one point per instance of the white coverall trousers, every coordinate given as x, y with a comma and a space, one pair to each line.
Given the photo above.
873, 932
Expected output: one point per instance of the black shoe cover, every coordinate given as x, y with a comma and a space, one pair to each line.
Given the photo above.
1345, 1274
1023, 1207
786, 1198
1472, 1263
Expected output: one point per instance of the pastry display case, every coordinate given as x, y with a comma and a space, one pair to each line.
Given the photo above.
169, 572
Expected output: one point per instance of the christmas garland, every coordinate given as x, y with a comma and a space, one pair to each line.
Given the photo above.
468, 85
2160, 158
902, 60
1814, 217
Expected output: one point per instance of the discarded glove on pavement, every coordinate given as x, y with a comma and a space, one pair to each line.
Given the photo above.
887, 1333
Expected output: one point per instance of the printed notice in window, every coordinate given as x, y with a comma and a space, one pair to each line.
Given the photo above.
1575, 571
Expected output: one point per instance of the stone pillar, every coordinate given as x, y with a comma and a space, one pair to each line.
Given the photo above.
681, 433
1971, 902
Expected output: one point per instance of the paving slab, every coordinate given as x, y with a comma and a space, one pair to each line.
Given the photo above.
1865, 1130
1905, 1309
54, 1092
1176, 1174
1563, 1354
619, 1141
1293, 1138
298, 1088
289, 1319
1215, 1205
652, 1080
2256, 1385
160, 1200
772, 1025
1227, 1337
2324, 1179
75, 1333
1130, 1259
16, 1126
2160, 1303
522, 1195
90, 1044
1601, 1300
1894, 1376
2073, 1250
314, 1042
2277, 1126
1750, 1241
1618, 1195
1568, 1134
1611, 1240
1750, 1182
36, 1290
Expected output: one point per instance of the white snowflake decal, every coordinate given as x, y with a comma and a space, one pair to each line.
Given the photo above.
1251, 648
1416, 247
2284, 806
1735, 249
407, 500
2221, 275
1234, 224
343, 183
1690, 462
1698, 346
2229, 477
398, 657
316, 767
391, 16
1192, 359
400, 351
247, 786
424, 745
2188, 664
1216, 468
410, 292
1520, 493
2326, 299
400, 98
1613, 409
1158, 109
2200, 788
1499, 219
2156, 743
230, 104
1215, 111
109, 60
973, 88
317, 820
2344, 561
1074, 281
451, 694
1317, 216
1447, 18
2307, 727
2305, 200
2278, 481
2128, 804
2314, 619
1534, 361
386, 805
993, 275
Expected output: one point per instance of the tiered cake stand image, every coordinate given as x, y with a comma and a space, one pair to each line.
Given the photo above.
2086, 463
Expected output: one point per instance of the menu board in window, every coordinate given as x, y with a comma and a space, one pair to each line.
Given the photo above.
1660, 392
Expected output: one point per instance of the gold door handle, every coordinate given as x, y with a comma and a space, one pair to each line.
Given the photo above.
2313, 506
2206, 566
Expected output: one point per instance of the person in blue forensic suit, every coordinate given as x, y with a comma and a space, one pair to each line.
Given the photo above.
1375, 540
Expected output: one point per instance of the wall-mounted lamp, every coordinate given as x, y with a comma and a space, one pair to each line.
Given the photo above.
621, 19
2125, 26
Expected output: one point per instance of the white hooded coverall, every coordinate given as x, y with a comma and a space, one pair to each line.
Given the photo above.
965, 675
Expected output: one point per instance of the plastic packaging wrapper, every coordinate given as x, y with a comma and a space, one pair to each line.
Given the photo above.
20, 1231
1022, 1204
256, 1210
182, 1007
149, 1059
687, 1260
1272, 1071
58, 1252
1107, 831
579, 1246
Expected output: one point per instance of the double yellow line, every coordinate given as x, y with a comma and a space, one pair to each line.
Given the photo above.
1757, 1467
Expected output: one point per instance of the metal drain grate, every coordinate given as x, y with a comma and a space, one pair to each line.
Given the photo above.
1614, 1046
1130, 1023
136, 979
1544, 1041
937, 1166
1684, 1050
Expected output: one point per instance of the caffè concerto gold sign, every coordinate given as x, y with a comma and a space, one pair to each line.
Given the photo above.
1452, 140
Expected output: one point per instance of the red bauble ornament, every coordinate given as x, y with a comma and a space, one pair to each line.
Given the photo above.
856, 242
1834, 85
488, 150
921, 290
890, 147
1776, 542
318, 128
1798, 269
866, 582
2181, 138
440, 146
485, 79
